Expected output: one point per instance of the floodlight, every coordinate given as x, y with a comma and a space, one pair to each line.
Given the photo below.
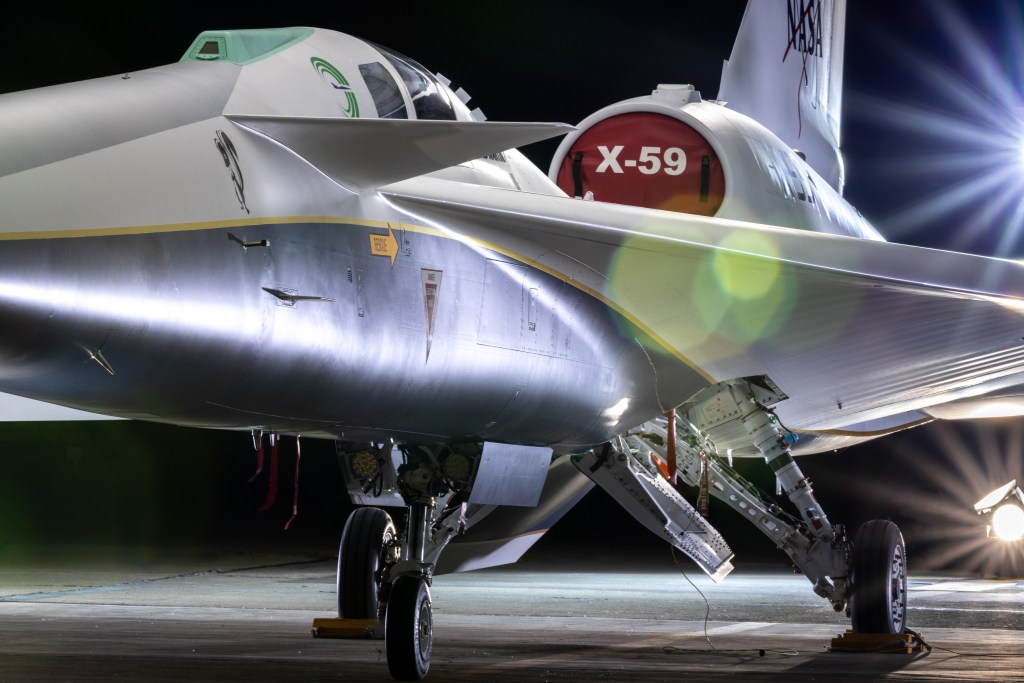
1003, 510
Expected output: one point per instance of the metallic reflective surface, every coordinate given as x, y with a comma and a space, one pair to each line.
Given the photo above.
224, 265
193, 337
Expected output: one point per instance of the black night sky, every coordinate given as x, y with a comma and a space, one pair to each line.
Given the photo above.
909, 63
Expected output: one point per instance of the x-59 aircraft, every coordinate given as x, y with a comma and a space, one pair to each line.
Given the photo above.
294, 231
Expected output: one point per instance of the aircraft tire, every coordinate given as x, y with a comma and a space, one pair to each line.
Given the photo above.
408, 629
364, 541
879, 575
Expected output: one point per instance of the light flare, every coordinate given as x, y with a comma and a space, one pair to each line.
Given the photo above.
973, 130
946, 468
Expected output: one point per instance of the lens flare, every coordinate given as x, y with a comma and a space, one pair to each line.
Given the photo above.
743, 276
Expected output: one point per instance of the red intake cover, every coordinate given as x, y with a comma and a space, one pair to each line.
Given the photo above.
645, 159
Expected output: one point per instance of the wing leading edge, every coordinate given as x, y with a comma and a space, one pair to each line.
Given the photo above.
362, 153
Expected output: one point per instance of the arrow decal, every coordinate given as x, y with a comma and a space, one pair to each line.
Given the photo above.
384, 245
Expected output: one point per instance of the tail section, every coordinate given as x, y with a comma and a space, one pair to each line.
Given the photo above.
786, 72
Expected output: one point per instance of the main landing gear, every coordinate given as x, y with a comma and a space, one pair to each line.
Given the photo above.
867, 578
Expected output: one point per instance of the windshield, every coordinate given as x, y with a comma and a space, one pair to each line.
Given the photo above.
386, 96
429, 99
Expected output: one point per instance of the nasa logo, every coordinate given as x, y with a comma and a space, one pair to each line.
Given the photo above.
804, 27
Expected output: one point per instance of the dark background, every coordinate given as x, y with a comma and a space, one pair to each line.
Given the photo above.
931, 105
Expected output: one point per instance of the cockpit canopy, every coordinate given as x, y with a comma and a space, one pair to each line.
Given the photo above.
392, 80
429, 99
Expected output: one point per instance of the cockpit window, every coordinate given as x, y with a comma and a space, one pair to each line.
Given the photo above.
386, 95
429, 99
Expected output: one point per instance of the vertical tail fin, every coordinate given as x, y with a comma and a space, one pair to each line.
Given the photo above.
786, 72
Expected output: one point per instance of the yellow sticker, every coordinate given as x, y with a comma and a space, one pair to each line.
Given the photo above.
384, 245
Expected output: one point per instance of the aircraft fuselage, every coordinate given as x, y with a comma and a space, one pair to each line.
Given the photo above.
307, 330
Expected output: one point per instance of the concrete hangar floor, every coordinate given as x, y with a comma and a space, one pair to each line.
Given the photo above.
170, 614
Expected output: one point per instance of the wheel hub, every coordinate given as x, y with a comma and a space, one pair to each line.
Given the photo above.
897, 587
424, 643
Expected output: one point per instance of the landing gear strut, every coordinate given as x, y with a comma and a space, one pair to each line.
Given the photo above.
386, 576
379, 580
426, 477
